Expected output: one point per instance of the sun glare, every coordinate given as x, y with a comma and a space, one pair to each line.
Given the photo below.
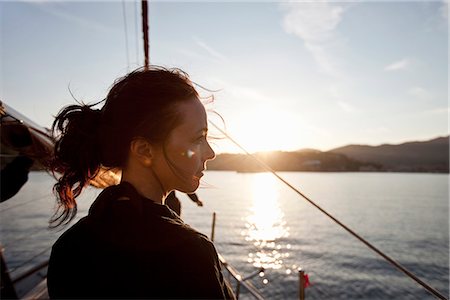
265, 225
266, 129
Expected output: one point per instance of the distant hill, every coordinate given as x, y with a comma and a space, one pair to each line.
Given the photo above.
428, 156
289, 161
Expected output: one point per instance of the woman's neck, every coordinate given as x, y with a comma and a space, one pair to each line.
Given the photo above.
147, 185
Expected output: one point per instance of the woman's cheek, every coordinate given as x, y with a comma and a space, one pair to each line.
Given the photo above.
193, 151
190, 155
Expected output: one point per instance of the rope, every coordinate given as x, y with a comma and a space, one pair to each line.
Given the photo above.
145, 32
124, 14
430, 289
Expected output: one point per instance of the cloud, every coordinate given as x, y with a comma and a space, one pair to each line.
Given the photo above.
315, 23
398, 65
214, 53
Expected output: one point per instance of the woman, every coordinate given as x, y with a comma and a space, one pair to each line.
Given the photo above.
154, 128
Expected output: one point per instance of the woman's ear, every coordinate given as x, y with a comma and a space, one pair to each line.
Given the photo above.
141, 149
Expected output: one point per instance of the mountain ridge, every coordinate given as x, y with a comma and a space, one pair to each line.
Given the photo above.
414, 156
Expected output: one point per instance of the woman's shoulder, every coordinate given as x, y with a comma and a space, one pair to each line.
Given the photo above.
196, 242
77, 234
176, 227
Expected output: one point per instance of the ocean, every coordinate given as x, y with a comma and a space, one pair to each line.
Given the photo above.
260, 222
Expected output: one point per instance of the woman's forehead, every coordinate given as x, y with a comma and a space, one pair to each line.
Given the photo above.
193, 116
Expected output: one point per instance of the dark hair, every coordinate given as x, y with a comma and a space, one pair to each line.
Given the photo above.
139, 104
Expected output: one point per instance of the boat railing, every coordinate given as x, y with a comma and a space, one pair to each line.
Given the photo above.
242, 281
20, 286
41, 266
32, 284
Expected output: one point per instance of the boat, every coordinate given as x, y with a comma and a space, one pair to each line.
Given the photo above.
21, 137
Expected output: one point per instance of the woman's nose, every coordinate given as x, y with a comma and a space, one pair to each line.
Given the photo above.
210, 154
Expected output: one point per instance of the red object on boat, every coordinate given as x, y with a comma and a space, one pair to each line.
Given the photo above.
306, 282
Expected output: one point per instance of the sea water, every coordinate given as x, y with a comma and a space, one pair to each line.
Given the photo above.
262, 223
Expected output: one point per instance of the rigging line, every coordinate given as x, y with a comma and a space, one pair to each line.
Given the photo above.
430, 289
30, 260
145, 32
124, 14
136, 30
27, 202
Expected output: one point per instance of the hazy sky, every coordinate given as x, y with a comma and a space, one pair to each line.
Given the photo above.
288, 75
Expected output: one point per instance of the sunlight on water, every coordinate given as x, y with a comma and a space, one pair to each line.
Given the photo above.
266, 225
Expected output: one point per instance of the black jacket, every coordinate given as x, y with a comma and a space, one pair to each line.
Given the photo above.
130, 247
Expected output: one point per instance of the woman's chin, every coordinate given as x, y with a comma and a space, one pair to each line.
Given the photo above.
195, 185
192, 187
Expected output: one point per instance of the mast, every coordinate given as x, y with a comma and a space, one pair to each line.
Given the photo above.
145, 32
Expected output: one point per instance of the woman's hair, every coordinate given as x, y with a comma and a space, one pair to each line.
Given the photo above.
141, 104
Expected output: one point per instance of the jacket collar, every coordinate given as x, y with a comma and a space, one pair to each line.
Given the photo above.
125, 197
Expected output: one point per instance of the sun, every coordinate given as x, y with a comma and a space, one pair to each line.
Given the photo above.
265, 128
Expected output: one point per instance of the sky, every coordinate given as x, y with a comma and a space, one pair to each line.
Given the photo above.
284, 75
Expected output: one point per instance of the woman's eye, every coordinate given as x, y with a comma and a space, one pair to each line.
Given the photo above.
198, 140
201, 139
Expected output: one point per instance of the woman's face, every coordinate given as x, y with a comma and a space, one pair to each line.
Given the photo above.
180, 163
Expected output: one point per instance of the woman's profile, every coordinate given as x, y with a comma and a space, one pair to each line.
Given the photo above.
153, 128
